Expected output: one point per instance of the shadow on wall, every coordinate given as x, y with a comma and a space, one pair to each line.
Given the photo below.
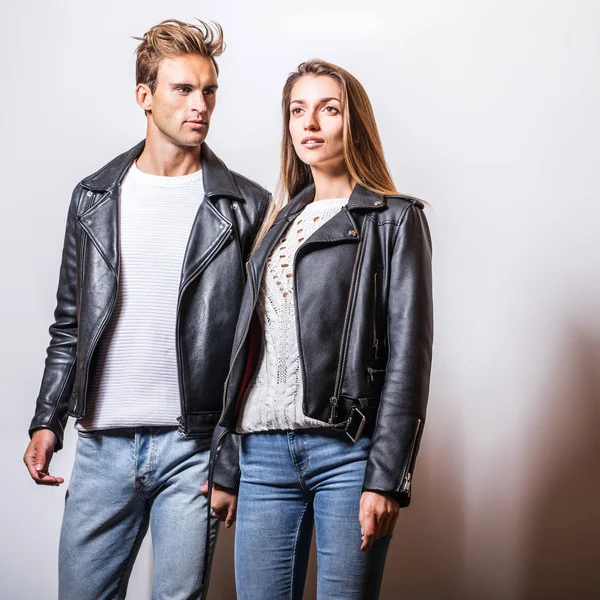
426, 558
562, 515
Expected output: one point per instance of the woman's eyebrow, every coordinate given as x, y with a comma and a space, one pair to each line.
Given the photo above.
320, 101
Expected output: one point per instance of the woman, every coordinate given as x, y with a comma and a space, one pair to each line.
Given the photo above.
329, 377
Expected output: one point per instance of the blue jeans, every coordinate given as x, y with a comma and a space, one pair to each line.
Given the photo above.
289, 481
123, 481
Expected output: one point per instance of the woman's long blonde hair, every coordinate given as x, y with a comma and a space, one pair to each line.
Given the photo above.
363, 151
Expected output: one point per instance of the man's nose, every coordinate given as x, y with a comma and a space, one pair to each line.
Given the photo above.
199, 103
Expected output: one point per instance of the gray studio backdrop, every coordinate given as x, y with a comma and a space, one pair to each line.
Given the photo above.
489, 111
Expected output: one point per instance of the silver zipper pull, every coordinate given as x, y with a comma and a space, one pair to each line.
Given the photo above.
407, 483
333, 403
376, 347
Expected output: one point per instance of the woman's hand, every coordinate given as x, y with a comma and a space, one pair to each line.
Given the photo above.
223, 503
377, 516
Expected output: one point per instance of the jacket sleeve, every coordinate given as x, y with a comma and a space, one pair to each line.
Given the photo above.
224, 460
59, 373
225, 455
403, 402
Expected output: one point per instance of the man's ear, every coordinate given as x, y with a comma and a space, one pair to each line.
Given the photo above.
143, 96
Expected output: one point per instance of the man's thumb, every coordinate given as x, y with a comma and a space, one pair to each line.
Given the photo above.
40, 460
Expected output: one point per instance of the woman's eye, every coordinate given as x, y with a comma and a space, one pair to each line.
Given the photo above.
331, 109
295, 111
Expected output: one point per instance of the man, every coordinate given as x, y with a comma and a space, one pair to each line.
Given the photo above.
150, 284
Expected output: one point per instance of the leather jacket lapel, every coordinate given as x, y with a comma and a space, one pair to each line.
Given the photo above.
101, 223
209, 231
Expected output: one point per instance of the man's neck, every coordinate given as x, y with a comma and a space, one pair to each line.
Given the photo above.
161, 157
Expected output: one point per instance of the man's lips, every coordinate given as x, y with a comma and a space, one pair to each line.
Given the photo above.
197, 123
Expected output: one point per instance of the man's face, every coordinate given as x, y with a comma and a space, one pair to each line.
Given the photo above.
183, 100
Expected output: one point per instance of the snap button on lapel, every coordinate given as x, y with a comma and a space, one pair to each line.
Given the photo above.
378, 203
353, 233
89, 194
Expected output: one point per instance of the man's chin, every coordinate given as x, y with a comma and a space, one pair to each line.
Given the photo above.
193, 142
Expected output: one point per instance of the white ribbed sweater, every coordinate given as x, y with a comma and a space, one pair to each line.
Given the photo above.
135, 379
274, 397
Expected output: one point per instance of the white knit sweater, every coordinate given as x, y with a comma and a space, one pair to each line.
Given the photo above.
135, 379
274, 397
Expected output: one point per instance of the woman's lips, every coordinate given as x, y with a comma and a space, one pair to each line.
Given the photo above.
312, 142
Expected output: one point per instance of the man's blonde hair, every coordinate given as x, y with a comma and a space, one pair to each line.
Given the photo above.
175, 38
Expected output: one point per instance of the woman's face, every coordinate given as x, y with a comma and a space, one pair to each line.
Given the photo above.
315, 121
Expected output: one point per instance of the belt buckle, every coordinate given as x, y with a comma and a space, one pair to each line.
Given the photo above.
355, 424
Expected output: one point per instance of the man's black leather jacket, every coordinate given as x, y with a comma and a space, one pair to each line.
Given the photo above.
363, 300
211, 288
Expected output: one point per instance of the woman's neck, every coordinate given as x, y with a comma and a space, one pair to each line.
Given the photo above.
332, 183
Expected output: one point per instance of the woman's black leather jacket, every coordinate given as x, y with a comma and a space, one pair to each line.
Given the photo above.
364, 320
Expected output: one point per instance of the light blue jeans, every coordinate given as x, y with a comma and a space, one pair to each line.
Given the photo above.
123, 481
289, 481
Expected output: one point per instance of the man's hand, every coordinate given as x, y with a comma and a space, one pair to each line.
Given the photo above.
377, 516
38, 456
222, 502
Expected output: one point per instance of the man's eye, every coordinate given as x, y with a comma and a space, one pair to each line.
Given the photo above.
209, 92
183, 89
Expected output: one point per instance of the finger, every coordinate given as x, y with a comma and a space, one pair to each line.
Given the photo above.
204, 488
29, 460
384, 525
229, 520
41, 461
392, 524
220, 514
46, 479
369, 527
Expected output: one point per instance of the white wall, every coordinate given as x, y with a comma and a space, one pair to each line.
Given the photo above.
489, 110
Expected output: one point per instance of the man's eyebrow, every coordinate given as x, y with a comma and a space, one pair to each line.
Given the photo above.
213, 86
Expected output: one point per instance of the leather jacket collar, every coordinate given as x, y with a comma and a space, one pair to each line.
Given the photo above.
218, 180
360, 199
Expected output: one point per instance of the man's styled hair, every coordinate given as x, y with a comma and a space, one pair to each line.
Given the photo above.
172, 38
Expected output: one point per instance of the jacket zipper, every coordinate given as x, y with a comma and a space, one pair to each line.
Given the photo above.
372, 372
245, 335
82, 389
375, 314
192, 277
97, 335
333, 401
407, 480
